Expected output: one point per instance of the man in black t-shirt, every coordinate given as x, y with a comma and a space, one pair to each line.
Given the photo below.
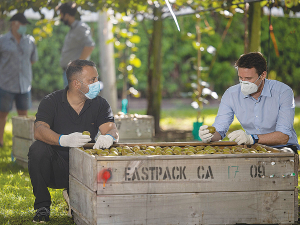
61, 118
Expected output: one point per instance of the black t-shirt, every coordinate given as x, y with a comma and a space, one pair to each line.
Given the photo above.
56, 111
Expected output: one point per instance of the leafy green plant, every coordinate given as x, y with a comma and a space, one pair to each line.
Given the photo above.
198, 85
125, 39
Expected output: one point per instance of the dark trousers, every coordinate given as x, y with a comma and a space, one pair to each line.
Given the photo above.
46, 168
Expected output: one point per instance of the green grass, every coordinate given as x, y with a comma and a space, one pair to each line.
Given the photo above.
16, 201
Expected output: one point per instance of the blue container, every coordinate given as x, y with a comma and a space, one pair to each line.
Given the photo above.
195, 132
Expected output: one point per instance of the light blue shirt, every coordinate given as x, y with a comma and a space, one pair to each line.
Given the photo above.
273, 111
15, 63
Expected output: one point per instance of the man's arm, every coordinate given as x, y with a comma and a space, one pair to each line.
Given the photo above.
86, 52
274, 138
42, 132
284, 123
216, 137
110, 128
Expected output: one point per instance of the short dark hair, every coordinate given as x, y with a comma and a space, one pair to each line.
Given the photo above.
252, 60
75, 67
68, 7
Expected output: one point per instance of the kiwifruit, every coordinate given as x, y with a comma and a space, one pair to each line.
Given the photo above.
86, 133
211, 129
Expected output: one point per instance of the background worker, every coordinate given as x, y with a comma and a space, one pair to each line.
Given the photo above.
61, 118
78, 43
17, 53
265, 108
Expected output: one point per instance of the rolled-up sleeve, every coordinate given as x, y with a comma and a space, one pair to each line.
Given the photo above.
225, 115
46, 111
286, 113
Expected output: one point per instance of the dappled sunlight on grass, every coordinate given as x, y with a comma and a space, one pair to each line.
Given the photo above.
16, 202
8, 127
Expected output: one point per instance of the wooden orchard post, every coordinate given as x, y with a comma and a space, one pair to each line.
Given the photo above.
107, 62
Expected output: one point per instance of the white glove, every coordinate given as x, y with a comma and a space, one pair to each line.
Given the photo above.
104, 141
74, 140
204, 134
240, 137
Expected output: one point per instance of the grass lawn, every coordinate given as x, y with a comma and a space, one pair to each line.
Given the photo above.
16, 201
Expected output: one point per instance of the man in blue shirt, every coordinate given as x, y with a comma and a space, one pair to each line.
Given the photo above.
265, 108
17, 53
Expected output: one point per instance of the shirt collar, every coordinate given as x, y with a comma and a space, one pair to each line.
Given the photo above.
11, 36
266, 90
74, 24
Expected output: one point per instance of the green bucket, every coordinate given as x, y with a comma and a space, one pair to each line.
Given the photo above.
195, 132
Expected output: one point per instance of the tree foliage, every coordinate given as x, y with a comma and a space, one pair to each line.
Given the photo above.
179, 54
158, 50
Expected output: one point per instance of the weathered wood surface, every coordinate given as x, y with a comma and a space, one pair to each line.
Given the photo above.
185, 174
22, 162
198, 208
23, 127
83, 167
259, 207
20, 148
135, 128
198, 175
83, 202
197, 189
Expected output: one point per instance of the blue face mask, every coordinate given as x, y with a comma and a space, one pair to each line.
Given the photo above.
94, 90
22, 29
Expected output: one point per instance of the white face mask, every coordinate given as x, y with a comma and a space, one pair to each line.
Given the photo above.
248, 88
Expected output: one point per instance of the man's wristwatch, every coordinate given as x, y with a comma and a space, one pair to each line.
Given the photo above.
255, 138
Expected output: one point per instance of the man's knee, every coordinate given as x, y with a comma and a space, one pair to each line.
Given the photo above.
38, 150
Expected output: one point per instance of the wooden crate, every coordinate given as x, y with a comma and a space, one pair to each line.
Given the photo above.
135, 128
23, 137
176, 189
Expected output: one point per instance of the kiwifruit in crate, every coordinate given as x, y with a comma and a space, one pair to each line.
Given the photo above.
174, 150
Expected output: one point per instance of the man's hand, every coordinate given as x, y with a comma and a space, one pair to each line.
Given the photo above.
240, 137
104, 141
204, 134
74, 140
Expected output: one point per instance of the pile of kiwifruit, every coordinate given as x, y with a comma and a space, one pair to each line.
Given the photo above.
140, 150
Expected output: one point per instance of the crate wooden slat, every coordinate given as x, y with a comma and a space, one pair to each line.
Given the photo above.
23, 127
83, 202
23, 137
84, 168
186, 174
236, 188
20, 150
261, 207
132, 129
138, 128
